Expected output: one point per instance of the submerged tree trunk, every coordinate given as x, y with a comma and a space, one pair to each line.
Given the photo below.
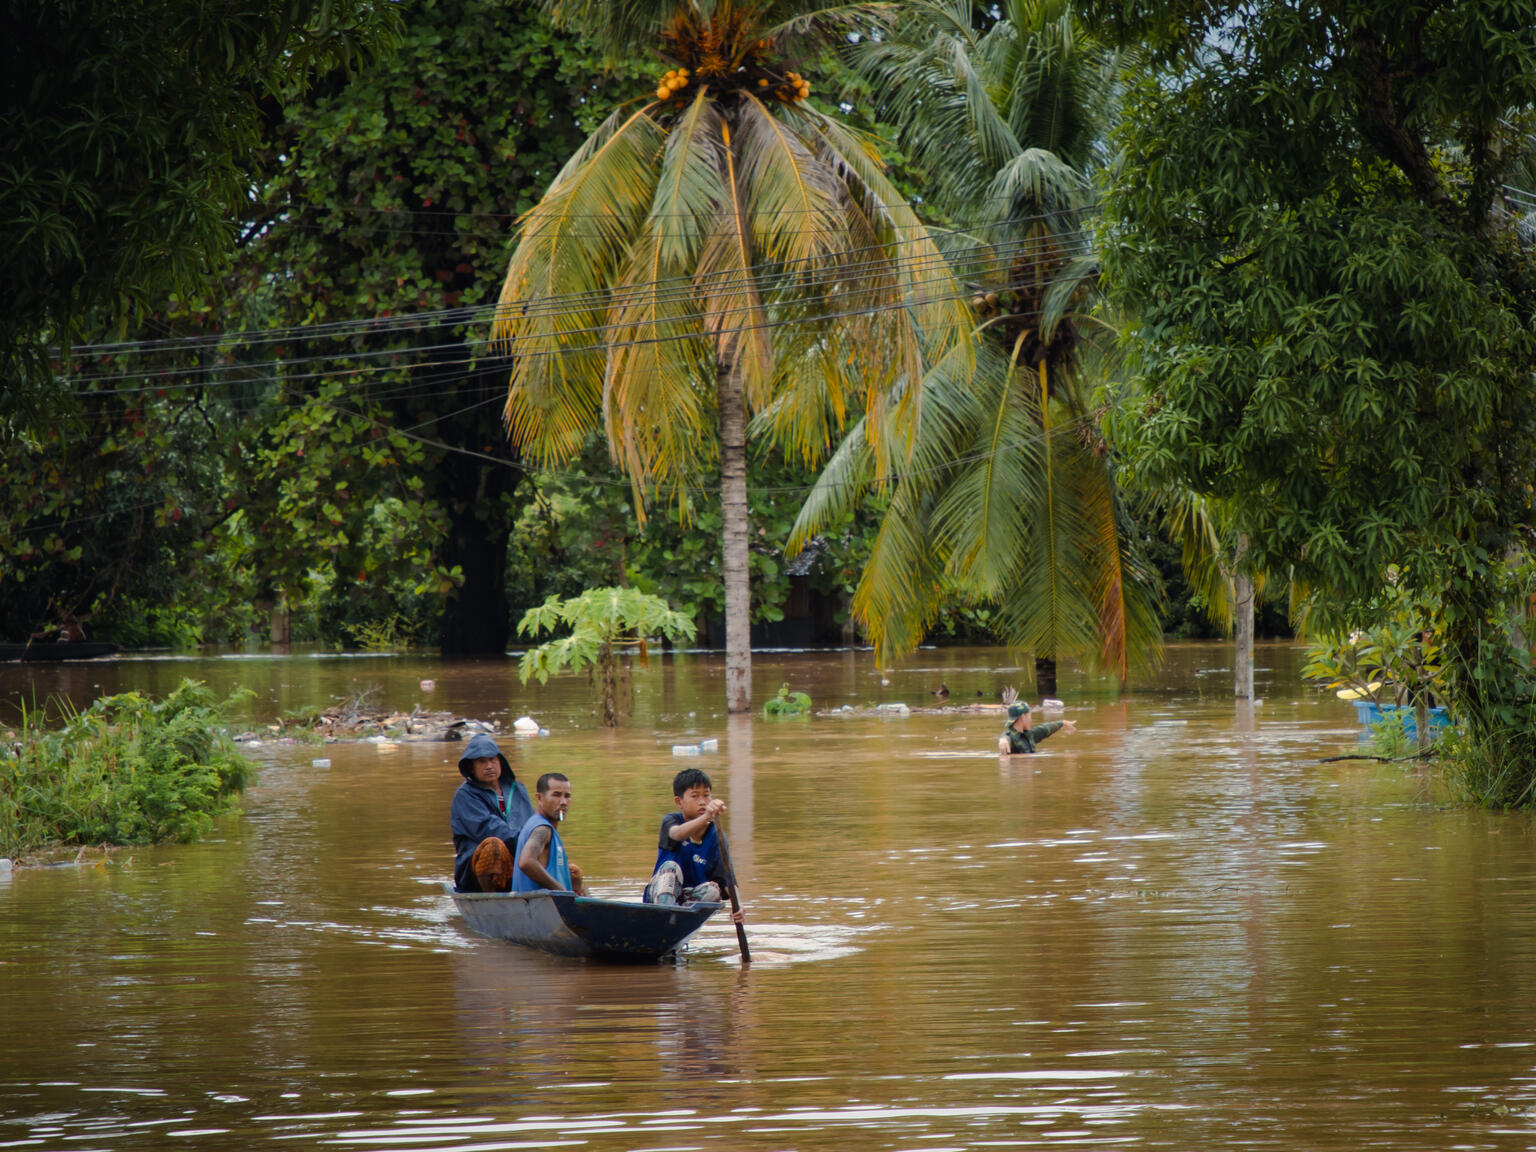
476, 619
733, 510
1045, 676
1242, 626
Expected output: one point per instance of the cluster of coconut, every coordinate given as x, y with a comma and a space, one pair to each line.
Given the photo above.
985, 304
673, 82
792, 89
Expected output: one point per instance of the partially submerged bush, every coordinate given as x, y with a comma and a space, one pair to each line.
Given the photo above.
787, 703
126, 770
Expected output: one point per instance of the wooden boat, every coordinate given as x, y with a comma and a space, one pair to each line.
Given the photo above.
43, 651
570, 925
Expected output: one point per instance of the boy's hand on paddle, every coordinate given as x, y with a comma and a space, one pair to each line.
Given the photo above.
713, 809
738, 916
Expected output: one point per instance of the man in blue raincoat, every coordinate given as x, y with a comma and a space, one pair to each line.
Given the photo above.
488, 810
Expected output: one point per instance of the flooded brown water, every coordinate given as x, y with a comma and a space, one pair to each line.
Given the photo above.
1172, 929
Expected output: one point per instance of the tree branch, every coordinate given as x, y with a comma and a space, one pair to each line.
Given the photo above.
1381, 120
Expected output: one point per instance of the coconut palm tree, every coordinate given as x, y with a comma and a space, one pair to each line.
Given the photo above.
720, 255
1010, 494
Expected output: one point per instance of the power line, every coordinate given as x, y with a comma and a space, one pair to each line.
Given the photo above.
556, 303
244, 372
618, 482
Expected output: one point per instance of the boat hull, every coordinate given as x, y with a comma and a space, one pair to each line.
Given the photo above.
566, 924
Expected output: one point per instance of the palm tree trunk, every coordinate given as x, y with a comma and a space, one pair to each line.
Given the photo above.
733, 510
608, 672
1242, 626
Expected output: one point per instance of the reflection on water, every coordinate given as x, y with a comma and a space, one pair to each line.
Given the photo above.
1172, 929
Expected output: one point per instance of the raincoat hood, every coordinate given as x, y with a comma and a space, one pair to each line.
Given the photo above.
480, 744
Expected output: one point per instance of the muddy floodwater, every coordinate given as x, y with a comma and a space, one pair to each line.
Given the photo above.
1172, 929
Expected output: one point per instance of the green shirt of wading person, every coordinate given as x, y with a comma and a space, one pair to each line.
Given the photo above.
1019, 737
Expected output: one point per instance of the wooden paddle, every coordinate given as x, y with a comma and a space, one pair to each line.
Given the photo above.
730, 890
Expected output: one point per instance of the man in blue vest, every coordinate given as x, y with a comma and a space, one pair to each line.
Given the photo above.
488, 809
540, 855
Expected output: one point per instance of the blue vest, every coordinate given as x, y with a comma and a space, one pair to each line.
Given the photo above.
558, 866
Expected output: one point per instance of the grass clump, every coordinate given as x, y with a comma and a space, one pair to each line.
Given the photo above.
1493, 764
126, 770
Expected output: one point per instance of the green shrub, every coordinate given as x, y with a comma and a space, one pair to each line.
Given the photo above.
1493, 764
787, 703
126, 770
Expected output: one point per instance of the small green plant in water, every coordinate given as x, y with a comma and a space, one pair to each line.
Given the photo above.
788, 703
126, 770
391, 634
603, 622
1390, 738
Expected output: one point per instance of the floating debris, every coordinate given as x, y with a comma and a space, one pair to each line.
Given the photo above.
350, 723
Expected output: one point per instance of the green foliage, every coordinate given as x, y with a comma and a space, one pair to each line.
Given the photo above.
599, 619
1005, 497
126, 770
1398, 659
581, 530
1390, 739
108, 505
390, 634
787, 703
1493, 764
396, 195
1335, 316
266, 446
130, 137
602, 621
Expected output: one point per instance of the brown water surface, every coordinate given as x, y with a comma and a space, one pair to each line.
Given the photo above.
1171, 929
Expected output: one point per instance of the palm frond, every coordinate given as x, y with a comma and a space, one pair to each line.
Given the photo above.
1033, 182
726, 279
1196, 523
898, 594
796, 217
656, 412
983, 510
928, 319
1126, 588
567, 251
838, 491
1071, 284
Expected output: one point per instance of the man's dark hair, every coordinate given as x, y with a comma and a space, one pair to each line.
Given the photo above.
690, 778
543, 784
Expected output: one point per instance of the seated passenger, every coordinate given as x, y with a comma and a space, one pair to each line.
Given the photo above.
488, 809
540, 854
689, 868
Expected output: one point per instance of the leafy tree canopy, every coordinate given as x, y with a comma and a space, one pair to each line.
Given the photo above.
388, 225
129, 136
1335, 309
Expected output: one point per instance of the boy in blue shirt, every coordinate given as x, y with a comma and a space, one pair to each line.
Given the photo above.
688, 864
